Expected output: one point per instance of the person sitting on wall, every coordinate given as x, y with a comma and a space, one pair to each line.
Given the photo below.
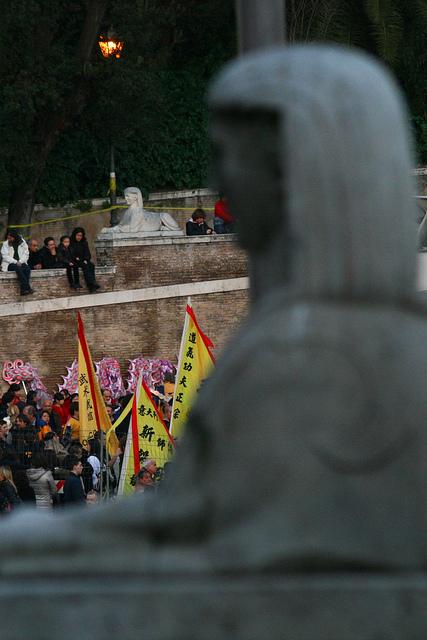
81, 256
66, 260
34, 260
197, 226
224, 222
49, 254
15, 254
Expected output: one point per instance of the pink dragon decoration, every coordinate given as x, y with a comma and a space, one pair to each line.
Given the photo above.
154, 371
110, 376
16, 371
107, 370
70, 381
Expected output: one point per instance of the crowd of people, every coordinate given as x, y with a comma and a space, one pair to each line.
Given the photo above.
72, 254
43, 461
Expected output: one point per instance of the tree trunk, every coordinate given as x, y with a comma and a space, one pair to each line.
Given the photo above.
50, 126
21, 205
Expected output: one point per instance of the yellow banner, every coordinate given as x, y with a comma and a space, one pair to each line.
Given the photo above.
148, 439
118, 422
93, 414
194, 366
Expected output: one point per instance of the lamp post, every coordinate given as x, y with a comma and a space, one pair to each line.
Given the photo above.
260, 23
111, 47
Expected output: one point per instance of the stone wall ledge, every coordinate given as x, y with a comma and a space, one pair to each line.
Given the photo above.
311, 607
183, 193
128, 240
30, 306
41, 274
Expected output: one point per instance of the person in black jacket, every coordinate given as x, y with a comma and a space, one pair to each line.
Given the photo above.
8, 487
197, 226
7, 398
81, 256
8, 454
67, 261
49, 254
74, 492
34, 259
25, 439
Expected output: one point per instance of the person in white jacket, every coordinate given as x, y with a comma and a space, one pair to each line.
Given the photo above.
14, 257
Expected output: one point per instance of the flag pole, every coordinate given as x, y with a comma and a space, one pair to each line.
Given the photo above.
261, 24
101, 454
126, 454
107, 473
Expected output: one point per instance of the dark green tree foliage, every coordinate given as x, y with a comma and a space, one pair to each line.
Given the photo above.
393, 30
45, 51
150, 103
62, 104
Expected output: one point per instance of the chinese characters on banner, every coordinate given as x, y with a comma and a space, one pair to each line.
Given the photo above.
93, 415
195, 364
148, 438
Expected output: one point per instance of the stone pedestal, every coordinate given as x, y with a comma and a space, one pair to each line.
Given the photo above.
107, 243
187, 607
153, 260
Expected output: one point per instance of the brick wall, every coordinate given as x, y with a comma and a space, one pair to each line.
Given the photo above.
185, 259
144, 265
151, 328
147, 327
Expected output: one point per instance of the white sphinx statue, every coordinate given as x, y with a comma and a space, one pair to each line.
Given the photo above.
138, 220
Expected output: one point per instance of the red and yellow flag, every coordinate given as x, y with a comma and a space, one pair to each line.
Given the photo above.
194, 366
93, 414
148, 438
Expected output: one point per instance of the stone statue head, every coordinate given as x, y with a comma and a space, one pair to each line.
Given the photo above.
313, 152
133, 194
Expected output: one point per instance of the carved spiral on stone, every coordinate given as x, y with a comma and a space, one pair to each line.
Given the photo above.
356, 430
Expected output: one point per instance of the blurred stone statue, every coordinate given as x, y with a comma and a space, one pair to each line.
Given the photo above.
296, 500
325, 209
137, 220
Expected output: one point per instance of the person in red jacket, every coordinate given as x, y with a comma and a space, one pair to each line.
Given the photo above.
60, 408
224, 222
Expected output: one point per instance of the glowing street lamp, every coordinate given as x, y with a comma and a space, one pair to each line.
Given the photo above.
111, 47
